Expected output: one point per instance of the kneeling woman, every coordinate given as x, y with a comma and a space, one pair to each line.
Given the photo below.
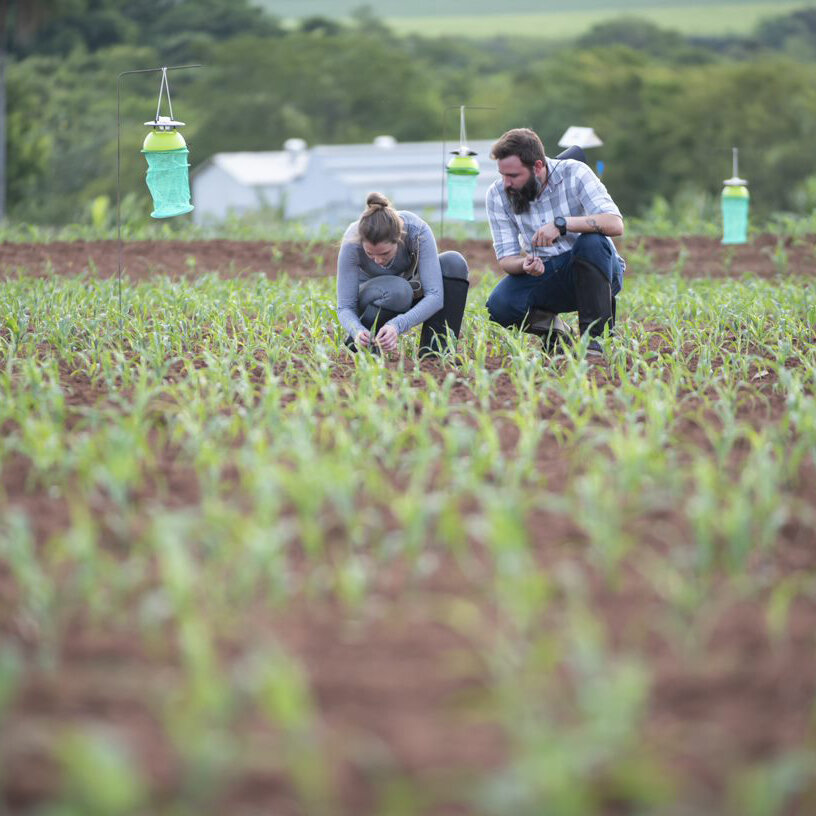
390, 278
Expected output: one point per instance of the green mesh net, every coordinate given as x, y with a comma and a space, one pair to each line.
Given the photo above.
735, 219
169, 182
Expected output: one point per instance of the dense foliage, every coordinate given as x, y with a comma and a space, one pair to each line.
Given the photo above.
668, 108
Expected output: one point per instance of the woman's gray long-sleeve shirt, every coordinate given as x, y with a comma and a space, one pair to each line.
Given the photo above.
354, 268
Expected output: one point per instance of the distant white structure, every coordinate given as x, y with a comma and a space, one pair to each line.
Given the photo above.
328, 184
581, 136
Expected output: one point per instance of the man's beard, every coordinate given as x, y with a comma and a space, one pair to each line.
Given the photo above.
520, 199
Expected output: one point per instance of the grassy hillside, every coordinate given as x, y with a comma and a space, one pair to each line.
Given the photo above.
547, 19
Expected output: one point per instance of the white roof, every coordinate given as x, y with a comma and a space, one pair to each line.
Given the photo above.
352, 163
481, 146
409, 173
581, 136
263, 168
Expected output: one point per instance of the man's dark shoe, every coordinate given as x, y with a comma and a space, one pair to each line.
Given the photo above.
594, 349
555, 334
556, 342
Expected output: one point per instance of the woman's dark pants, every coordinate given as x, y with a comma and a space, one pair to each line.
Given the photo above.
386, 296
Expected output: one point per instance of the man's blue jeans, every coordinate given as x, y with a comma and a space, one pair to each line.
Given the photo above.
557, 290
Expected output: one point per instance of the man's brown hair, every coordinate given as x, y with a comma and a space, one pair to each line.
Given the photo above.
521, 142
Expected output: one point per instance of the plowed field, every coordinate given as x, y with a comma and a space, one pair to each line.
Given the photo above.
244, 571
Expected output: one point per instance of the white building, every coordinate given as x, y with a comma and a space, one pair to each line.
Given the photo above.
328, 184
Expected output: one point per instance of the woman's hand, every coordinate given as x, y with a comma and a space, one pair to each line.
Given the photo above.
363, 338
387, 338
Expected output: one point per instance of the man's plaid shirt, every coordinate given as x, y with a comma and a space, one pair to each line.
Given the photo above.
572, 189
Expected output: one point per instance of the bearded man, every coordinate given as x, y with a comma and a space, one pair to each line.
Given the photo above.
552, 222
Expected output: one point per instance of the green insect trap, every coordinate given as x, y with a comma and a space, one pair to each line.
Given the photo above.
167, 167
462, 173
735, 200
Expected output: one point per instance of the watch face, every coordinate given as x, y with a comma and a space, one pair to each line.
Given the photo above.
561, 223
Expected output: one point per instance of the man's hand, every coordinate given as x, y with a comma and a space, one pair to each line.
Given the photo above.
546, 235
363, 338
533, 265
387, 338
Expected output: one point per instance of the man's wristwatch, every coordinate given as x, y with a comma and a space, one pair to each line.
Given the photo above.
561, 223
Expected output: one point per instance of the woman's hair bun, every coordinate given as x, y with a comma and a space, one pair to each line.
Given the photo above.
380, 222
377, 200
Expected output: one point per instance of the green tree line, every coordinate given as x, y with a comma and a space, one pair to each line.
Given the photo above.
668, 108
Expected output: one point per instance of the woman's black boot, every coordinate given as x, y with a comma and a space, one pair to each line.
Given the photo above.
434, 336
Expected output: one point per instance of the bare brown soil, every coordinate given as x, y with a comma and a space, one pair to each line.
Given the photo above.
395, 685
692, 256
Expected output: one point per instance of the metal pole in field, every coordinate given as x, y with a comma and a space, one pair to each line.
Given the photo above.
164, 70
